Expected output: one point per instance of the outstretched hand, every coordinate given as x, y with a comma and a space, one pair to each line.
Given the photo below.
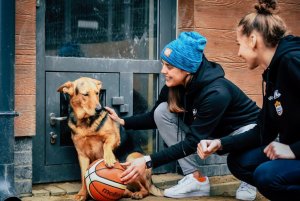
207, 147
276, 150
114, 116
133, 170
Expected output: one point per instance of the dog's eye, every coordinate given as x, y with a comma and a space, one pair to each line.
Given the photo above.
97, 93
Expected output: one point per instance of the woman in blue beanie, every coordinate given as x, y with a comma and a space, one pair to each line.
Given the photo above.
258, 157
197, 102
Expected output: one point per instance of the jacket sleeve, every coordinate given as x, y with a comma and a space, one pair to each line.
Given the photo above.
146, 121
209, 113
296, 149
243, 141
294, 76
294, 71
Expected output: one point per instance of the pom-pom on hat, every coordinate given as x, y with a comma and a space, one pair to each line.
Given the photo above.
185, 52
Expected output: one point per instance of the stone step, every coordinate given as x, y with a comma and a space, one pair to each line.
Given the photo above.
220, 185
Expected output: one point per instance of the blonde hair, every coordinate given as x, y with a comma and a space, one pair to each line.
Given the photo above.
265, 21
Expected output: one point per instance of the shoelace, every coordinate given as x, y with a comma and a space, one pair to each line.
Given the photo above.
247, 187
186, 178
183, 181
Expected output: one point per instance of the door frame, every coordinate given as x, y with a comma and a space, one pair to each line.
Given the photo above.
166, 32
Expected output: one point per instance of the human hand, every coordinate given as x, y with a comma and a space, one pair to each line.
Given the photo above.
207, 147
134, 169
276, 150
113, 115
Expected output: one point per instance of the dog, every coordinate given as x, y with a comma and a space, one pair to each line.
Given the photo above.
95, 135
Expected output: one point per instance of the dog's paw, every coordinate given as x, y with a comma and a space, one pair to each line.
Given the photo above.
110, 161
137, 195
80, 197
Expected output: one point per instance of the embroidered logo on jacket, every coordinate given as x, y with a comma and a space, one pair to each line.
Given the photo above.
275, 96
279, 108
194, 113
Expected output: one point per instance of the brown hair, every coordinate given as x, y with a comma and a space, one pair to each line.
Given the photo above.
265, 21
174, 96
174, 100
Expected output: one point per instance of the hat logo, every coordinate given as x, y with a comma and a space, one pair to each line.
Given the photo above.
167, 52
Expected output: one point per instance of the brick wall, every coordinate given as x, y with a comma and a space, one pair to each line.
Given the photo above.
25, 73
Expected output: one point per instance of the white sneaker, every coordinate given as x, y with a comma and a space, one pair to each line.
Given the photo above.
188, 186
245, 192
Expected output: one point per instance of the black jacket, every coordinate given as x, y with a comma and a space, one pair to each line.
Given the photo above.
215, 107
280, 113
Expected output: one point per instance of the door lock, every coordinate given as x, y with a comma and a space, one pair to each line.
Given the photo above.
53, 137
53, 119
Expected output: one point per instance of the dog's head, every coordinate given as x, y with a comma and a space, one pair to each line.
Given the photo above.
84, 96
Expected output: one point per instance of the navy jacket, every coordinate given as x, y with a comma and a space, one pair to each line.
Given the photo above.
214, 108
280, 113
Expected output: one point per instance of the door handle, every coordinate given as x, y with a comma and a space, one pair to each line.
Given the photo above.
53, 119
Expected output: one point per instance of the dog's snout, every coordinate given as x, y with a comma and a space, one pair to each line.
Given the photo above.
98, 108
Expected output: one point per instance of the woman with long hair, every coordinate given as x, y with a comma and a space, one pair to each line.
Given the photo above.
196, 102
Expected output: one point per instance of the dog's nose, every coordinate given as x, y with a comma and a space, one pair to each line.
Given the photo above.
98, 109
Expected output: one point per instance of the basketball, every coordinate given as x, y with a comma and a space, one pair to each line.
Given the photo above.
103, 183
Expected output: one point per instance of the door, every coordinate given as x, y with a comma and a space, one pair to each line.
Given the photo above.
115, 41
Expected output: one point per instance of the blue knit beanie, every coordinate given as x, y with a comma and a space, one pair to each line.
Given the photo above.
185, 52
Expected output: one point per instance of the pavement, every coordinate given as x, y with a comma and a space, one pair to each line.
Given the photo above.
222, 189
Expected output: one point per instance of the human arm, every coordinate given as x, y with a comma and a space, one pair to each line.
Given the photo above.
295, 147
140, 121
208, 112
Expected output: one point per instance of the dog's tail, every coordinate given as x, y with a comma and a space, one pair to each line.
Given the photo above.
153, 190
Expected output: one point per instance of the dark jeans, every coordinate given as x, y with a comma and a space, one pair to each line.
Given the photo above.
275, 179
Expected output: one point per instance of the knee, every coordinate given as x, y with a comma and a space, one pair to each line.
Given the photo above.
264, 178
161, 112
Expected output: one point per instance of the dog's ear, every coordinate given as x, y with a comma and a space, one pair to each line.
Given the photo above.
67, 88
98, 84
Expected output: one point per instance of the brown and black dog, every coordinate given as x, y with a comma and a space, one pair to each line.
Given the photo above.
95, 135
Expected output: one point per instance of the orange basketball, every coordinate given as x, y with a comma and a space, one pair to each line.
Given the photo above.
104, 183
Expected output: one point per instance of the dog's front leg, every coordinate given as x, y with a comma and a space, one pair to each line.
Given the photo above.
108, 154
84, 164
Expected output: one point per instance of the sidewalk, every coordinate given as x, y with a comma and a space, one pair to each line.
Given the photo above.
222, 189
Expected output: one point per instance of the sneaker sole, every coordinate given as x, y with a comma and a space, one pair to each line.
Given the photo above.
246, 199
193, 194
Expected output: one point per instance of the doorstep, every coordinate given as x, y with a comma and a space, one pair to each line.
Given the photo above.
220, 186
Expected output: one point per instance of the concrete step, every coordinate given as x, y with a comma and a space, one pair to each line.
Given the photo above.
222, 188
220, 185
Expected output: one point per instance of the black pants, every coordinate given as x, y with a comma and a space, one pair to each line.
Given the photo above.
275, 179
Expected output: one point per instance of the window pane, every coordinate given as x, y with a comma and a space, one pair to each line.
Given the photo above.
120, 29
144, 97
